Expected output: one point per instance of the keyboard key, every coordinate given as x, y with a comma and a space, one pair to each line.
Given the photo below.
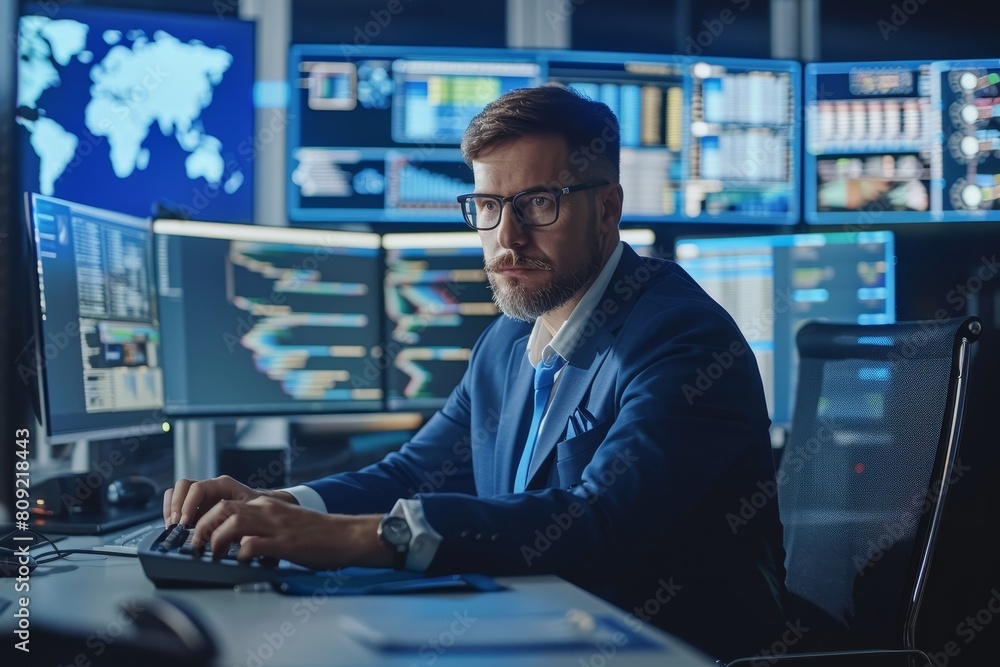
178, 535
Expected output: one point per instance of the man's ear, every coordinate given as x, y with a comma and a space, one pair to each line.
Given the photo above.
611, 207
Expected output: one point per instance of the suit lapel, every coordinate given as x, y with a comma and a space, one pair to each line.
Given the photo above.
586, 361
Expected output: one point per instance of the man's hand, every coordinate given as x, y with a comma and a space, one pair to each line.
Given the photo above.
188, 500
265, 526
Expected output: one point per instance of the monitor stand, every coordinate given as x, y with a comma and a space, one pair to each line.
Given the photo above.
194, 449
91, 514
194, 458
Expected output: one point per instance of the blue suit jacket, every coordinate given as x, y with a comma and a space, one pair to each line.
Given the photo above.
654, 445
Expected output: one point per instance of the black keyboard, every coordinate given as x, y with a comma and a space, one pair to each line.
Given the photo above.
169, 561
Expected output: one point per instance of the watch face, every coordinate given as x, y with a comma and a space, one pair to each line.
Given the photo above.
395, 530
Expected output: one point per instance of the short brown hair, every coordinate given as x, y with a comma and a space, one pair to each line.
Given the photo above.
589, 128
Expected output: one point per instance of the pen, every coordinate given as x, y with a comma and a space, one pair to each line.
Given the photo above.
583, 621
253, 587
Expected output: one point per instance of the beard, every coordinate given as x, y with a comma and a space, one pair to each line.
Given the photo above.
517, 302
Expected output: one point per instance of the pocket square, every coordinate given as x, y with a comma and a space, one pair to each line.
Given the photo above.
580, 422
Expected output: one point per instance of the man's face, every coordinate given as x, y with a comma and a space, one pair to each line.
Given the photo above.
537, 270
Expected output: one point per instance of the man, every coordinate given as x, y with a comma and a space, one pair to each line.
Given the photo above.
628, 482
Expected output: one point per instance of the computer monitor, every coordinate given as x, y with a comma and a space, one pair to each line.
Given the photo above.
712, 140
375, 131
771, 285
99, 362
127, 110
969, 93
902, 142
437, 303
268, 320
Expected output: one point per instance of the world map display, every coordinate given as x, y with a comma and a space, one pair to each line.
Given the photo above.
135, 111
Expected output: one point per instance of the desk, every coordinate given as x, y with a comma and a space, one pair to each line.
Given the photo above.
241, 622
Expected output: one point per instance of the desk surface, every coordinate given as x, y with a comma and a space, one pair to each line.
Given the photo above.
85, 592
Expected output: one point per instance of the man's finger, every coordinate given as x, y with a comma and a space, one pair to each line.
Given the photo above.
167, 495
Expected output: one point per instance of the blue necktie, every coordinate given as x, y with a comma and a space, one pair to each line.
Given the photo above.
545, 375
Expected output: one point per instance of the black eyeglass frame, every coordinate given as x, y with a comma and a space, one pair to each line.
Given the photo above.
462, 199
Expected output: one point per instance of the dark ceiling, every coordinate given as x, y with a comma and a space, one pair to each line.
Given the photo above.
850, 29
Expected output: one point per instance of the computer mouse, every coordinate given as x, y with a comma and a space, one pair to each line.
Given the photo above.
14, 564
175, 622
132, 491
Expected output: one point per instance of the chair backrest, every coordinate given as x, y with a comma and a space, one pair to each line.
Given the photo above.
865, 472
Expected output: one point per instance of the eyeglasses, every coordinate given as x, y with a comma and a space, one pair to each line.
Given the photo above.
534, 208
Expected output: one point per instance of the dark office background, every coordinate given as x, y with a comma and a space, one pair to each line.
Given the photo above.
934, 262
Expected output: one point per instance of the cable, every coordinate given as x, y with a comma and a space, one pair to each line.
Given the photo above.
43, 537
59, 554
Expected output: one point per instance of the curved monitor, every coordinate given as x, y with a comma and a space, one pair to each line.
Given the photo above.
375, 131
268, 320
902, 142
98, 338
771, 285
711, 140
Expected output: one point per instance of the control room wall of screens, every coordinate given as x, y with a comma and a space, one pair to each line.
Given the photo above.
375, 134
437, 303
771, 285
902, 142
131, 109
99, 358
269, 320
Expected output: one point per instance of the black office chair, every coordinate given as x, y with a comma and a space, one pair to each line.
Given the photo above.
863, 481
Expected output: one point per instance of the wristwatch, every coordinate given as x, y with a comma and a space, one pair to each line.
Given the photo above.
395, 533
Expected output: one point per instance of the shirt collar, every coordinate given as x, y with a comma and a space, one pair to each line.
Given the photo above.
541, 344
